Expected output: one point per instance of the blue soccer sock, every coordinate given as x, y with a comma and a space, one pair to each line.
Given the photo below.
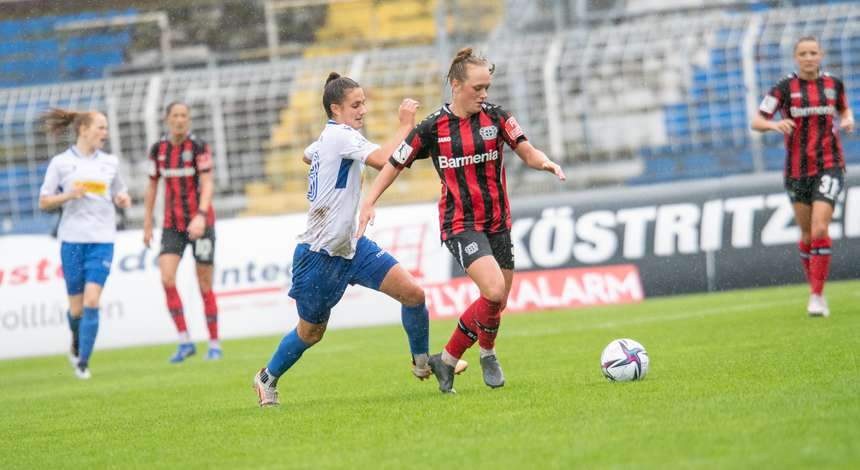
89, 328
416, 322
288, 352
74, 325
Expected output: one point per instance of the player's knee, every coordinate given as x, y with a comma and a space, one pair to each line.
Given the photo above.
91, 301
495, 292
413, 296
819, 231
311, 334
168, 282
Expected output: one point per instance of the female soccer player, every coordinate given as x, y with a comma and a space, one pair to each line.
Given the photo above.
808, 100
85, 182
465, 140
328, 256
185, 163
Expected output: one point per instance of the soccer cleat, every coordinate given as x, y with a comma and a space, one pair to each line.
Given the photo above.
444, 373
184, 351
83, 373
493, 376
817, 306
424, 372
73, 356
267, 395
214, 354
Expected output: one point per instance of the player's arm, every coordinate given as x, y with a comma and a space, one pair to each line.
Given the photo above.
49, 200
762, 122
207, 188
383, 180
538, 160
406, 115
846, 116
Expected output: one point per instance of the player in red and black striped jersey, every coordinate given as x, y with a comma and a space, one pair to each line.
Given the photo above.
185, 163
809, 102
465, 141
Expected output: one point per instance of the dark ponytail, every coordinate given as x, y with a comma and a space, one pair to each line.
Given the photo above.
336, 88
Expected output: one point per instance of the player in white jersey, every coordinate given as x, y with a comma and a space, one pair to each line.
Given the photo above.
86, 183
328, 257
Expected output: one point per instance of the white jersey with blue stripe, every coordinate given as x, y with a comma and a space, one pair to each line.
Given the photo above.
92, 218
334, 189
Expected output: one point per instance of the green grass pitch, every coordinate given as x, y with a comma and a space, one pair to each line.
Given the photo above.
738, 380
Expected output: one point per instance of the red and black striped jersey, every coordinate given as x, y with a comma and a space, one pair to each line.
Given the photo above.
180, 166
467, 154
814, 145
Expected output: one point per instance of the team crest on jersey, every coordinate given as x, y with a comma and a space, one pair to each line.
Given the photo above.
186, 156
830, 93
489, 132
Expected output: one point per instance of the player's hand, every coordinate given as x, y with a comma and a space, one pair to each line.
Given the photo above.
847, 125
785, 126
408, 108
122, 200
365, 216
553, 168
196, 227
147, 234
76, 193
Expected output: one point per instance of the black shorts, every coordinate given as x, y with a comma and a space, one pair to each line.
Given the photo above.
825, 186
174, 242
470, 245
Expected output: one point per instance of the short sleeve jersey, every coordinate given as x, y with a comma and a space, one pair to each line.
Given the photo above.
467, 154
92, 218
180, 166
334, 189
814, 144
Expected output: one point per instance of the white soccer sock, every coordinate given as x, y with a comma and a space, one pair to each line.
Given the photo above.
184, 337
214, 344
447, 358
487, 352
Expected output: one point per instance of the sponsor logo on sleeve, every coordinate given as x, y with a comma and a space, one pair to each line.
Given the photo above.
768, 104
512, 129
204, 160
401, 155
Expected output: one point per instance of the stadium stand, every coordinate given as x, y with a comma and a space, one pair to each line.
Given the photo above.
661, 96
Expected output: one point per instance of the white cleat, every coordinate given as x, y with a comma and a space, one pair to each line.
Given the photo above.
268, 396
73, 360
817, 306
83, 373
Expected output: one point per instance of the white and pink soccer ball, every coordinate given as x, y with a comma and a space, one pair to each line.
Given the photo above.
624, 360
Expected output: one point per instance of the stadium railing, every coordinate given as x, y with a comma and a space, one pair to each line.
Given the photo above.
650, 99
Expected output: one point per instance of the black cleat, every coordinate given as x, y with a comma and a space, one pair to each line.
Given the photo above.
443, 372
493, 375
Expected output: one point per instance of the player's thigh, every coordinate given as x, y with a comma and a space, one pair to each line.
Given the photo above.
168, 263
204, 247
318, 283
467, 247
97, 263
803, 217
487, 275
401, 286
370, 264
73, 259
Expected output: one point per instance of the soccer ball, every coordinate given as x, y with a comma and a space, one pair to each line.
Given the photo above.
624, 360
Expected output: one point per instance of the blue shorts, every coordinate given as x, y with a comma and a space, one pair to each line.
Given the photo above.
319, 280
85, 262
